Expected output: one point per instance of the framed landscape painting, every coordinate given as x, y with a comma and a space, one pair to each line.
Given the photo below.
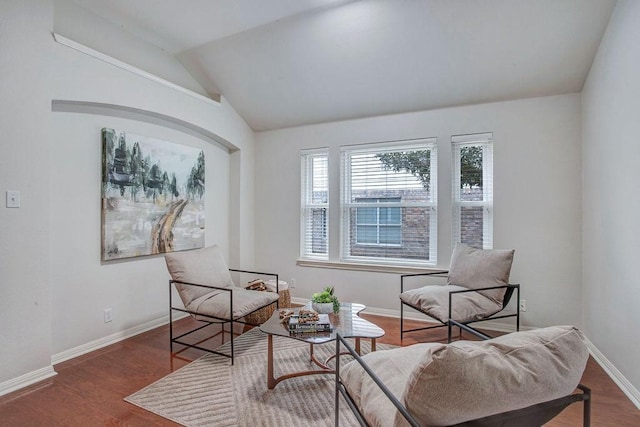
152, 196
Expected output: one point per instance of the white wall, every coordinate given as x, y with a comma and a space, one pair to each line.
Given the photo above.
82, 286
135, 289
25, 337
537, 181
77, 23
611, 102
53, 285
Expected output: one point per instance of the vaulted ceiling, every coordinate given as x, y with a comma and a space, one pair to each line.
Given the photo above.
284, 63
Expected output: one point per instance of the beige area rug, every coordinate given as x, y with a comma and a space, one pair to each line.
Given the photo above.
211, 392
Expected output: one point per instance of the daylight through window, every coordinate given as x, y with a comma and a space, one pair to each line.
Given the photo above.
389, 203
315, 205
473, 189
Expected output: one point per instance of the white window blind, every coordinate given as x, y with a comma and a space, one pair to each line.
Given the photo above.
315, 205
388, 203
473, 189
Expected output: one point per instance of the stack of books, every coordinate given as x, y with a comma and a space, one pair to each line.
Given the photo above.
303, 325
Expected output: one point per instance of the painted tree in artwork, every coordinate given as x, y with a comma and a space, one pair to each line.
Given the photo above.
109, 139
120, 173
154, 181
173, 186
137, 169
195, 185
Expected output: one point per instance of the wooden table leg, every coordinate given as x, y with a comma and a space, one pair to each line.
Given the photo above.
373, 344
271, 381
357, 345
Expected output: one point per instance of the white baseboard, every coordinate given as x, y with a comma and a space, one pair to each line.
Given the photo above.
111, 339
26, 380
625, 385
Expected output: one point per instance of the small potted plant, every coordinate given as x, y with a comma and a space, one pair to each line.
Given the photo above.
325, 301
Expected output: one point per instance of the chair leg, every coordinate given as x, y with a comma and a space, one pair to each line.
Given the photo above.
170, 319
586, 410
401, 322
336, 409
170, 334
232, 340
449, 332
518, 309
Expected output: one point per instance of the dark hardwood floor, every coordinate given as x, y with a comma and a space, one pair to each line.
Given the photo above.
89, 390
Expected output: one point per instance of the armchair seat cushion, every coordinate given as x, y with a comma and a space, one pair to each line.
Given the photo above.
244, 301
466, 307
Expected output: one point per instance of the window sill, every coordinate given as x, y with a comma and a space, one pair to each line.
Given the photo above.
376, 268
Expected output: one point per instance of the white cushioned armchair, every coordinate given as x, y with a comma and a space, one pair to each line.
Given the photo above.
204, 284
520, 379
477, 288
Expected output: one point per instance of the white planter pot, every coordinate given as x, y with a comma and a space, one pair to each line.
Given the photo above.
322, 307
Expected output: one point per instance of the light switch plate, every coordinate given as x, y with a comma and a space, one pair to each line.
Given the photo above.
13, 199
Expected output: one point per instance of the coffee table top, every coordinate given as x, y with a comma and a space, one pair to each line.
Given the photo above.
346, 322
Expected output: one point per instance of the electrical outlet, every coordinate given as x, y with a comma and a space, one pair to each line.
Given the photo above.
292, 283
523, 305
108, 315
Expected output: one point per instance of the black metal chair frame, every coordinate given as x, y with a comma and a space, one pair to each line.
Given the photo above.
210, 320
451, 323
531, 416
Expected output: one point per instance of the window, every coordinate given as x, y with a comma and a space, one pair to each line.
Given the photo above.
378, 225
315, 205
473, 189
389, 203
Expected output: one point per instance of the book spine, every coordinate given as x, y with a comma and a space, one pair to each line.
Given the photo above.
310, 327
310, 334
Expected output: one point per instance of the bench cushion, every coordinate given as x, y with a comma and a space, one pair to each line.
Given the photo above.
443, 385
470, 379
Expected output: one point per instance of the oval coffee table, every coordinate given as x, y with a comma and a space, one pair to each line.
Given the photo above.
346, 322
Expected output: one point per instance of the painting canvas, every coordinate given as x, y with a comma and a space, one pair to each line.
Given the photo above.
152, 196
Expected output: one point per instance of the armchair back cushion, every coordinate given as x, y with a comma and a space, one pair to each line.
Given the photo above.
469, 379
205, 266
474, 268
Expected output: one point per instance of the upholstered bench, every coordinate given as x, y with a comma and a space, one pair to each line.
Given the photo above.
526, 377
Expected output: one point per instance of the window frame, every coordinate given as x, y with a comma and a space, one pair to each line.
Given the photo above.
308, 205
430, 205
458, 142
